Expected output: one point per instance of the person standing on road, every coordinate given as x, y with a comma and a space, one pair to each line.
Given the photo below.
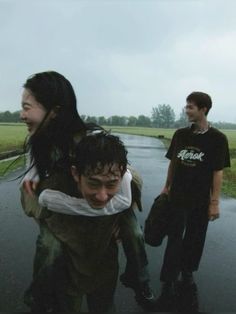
197, 156
90, 248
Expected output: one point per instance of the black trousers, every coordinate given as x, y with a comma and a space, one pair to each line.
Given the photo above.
188, 227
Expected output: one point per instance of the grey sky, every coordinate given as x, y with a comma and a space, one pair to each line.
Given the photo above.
122, 57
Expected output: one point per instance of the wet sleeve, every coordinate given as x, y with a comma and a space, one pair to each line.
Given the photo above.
60, 202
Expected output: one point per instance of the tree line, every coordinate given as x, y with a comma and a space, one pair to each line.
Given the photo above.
162, 116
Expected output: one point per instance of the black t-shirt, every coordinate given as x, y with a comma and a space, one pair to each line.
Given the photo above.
195, 157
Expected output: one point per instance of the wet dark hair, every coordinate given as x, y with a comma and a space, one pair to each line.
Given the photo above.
96, 151
51, 142
201, 100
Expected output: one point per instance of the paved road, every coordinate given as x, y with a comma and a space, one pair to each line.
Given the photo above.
215, 279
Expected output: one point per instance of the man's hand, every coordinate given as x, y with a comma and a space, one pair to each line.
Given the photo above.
30, 187
213, 211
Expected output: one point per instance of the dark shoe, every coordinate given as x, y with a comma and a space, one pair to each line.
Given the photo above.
167, 300
143, 293
144, 296
188, 298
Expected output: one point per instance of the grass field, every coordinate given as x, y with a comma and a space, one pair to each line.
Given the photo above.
12, 137
9, 165
168, 133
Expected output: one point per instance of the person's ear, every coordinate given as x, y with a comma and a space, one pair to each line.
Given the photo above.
54, 112
204, 109
75, 173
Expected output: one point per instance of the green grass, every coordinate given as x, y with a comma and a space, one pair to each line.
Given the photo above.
12, 136
10, 165
231, 135
229, 180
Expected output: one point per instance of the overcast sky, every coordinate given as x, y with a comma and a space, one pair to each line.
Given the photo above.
122, 57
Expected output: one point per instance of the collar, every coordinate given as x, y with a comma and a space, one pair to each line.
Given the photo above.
201, 131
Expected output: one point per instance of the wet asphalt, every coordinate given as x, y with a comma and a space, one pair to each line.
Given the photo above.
216, 278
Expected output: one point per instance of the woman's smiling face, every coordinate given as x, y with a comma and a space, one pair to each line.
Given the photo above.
32, 112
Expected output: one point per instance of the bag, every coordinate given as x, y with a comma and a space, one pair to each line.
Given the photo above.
157, 222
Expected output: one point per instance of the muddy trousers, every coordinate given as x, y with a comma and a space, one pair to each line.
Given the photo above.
45, 290
134, 247
48, 289
185, 243
99, 301
47, 286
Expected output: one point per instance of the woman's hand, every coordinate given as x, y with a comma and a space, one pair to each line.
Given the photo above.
30, 186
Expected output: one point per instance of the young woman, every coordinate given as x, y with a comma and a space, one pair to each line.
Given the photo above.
50, 113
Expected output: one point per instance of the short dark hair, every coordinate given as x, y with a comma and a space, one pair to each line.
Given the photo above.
201, 100
96, 151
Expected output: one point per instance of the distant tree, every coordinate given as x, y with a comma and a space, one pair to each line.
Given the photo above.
8, 116
156, 117
163, 116
1, 117
91, 119
132, 121
143, 121
16, 116
109, 121
123, 120
224, 125
102, 120
118, 120
83, 117
183, 120
115, 120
